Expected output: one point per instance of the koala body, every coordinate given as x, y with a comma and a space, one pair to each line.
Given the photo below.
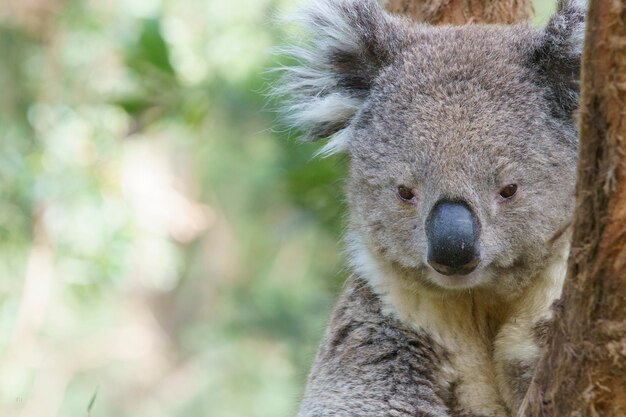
462, 148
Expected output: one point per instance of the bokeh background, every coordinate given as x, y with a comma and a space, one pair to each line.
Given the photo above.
166, 247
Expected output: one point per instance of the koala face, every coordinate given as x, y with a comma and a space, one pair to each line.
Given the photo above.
460, 169
461, 140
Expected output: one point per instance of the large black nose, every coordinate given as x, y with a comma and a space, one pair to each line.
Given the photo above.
452, 231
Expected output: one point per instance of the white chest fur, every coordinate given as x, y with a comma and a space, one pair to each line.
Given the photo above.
484, 338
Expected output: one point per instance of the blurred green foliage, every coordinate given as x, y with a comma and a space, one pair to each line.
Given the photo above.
163, 237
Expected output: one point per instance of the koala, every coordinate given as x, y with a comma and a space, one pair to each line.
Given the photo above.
462, 149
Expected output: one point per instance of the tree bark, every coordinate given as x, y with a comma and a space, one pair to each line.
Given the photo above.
583, 373
458, 12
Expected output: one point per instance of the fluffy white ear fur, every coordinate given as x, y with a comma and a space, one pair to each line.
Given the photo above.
349, 41
333, 110
559, 53
568, 25
577, 37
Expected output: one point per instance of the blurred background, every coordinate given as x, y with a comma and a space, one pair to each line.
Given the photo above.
166, 247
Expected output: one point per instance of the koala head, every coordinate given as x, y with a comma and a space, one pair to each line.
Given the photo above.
461, 140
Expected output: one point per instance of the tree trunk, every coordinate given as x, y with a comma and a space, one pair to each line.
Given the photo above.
584, 370
458, 12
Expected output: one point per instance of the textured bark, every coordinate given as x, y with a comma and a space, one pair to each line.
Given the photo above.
458, 12
583, 373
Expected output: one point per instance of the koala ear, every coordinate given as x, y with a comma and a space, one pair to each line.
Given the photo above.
559, 54
350, 42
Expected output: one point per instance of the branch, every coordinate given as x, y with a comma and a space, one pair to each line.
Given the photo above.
458, 12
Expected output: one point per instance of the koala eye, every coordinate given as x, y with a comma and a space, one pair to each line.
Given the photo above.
508, 191
406, 194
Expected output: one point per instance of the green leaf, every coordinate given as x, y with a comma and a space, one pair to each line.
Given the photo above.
92, 401
154, 47
151, 51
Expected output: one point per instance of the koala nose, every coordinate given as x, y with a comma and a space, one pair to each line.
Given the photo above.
452, 232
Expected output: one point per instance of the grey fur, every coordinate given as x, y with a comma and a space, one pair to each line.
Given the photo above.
373, 365
454, 113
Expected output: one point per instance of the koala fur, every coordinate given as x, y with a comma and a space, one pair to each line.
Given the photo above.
453, 114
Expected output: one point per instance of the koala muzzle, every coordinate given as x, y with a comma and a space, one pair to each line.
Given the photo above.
452, 230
